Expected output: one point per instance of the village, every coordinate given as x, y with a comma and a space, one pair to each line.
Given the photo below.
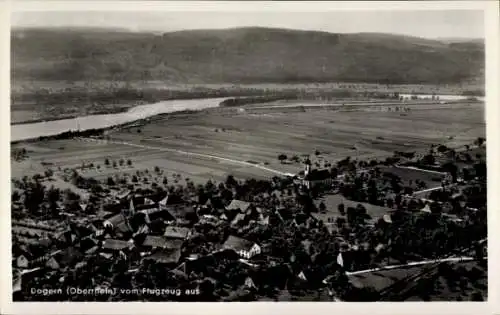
350, 230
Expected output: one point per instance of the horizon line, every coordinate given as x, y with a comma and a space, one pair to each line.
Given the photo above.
160, 32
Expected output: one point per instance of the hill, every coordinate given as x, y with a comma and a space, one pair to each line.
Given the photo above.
241, 55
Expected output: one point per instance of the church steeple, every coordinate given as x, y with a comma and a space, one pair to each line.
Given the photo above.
307, 167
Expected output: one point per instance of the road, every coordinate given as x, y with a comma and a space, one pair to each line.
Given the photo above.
416, 263
420, 169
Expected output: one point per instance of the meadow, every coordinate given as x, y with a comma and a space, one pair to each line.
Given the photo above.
215, 143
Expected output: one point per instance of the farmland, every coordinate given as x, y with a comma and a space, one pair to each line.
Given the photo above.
214, 143
332, 202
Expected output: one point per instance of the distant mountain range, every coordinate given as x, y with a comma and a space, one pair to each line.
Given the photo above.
242, 55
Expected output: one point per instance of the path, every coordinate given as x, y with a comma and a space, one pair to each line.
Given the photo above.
420, 169
210, 156
416, 263
423, 262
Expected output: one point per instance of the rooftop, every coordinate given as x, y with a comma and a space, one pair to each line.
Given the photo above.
166, 256
236, 243
318, 175
114, 244
238, 205
176, 232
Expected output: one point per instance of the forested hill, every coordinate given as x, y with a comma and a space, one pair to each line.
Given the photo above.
241, 55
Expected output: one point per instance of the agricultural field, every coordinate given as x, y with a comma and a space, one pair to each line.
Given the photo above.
213, 144
409, 176
332, 201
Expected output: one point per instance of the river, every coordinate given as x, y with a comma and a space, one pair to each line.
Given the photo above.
54, 127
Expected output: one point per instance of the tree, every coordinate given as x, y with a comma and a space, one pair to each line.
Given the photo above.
442, 148
122, 162
110, 181
165, 180
15, 196
230, 181
477, 297
157, 169
341, 208
429, 159
49, 173
479, 141
351, 215
135, 179
129, 162
340, 222
322, 207
282, 157
106, 162
114, 163
451, 168
480, 169
317, 153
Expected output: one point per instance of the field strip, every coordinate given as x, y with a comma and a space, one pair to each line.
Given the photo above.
200, 154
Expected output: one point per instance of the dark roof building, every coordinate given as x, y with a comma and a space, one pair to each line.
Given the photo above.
166, 256
176, 232
161, 242
112, 244
114, 221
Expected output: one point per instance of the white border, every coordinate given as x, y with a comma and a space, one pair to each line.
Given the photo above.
493, 119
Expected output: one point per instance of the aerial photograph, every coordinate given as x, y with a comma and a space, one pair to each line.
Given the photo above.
334, 156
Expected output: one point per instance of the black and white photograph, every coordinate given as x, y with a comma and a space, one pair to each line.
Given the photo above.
248, 156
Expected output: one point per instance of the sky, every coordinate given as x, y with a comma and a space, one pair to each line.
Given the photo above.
427, 24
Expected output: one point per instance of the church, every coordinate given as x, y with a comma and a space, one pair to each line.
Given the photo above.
314, 177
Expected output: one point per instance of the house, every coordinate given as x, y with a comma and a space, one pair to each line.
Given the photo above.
123, 195
115, 220
239, 219
113, 245
182, 213
153, 213
175, 232
387, 218
169, 200
238, 206
52, 264
68, 256
166, 256
244, 248
22, 262
161, 242
118, 223
426, 209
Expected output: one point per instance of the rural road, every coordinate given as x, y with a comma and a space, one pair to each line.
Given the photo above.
198, 154
416, 263
420, 169
427, 190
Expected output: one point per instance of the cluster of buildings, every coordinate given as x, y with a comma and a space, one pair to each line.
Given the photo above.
187, 236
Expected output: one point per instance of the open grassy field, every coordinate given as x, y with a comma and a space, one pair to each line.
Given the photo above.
212, 144
431, 179
332, 201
